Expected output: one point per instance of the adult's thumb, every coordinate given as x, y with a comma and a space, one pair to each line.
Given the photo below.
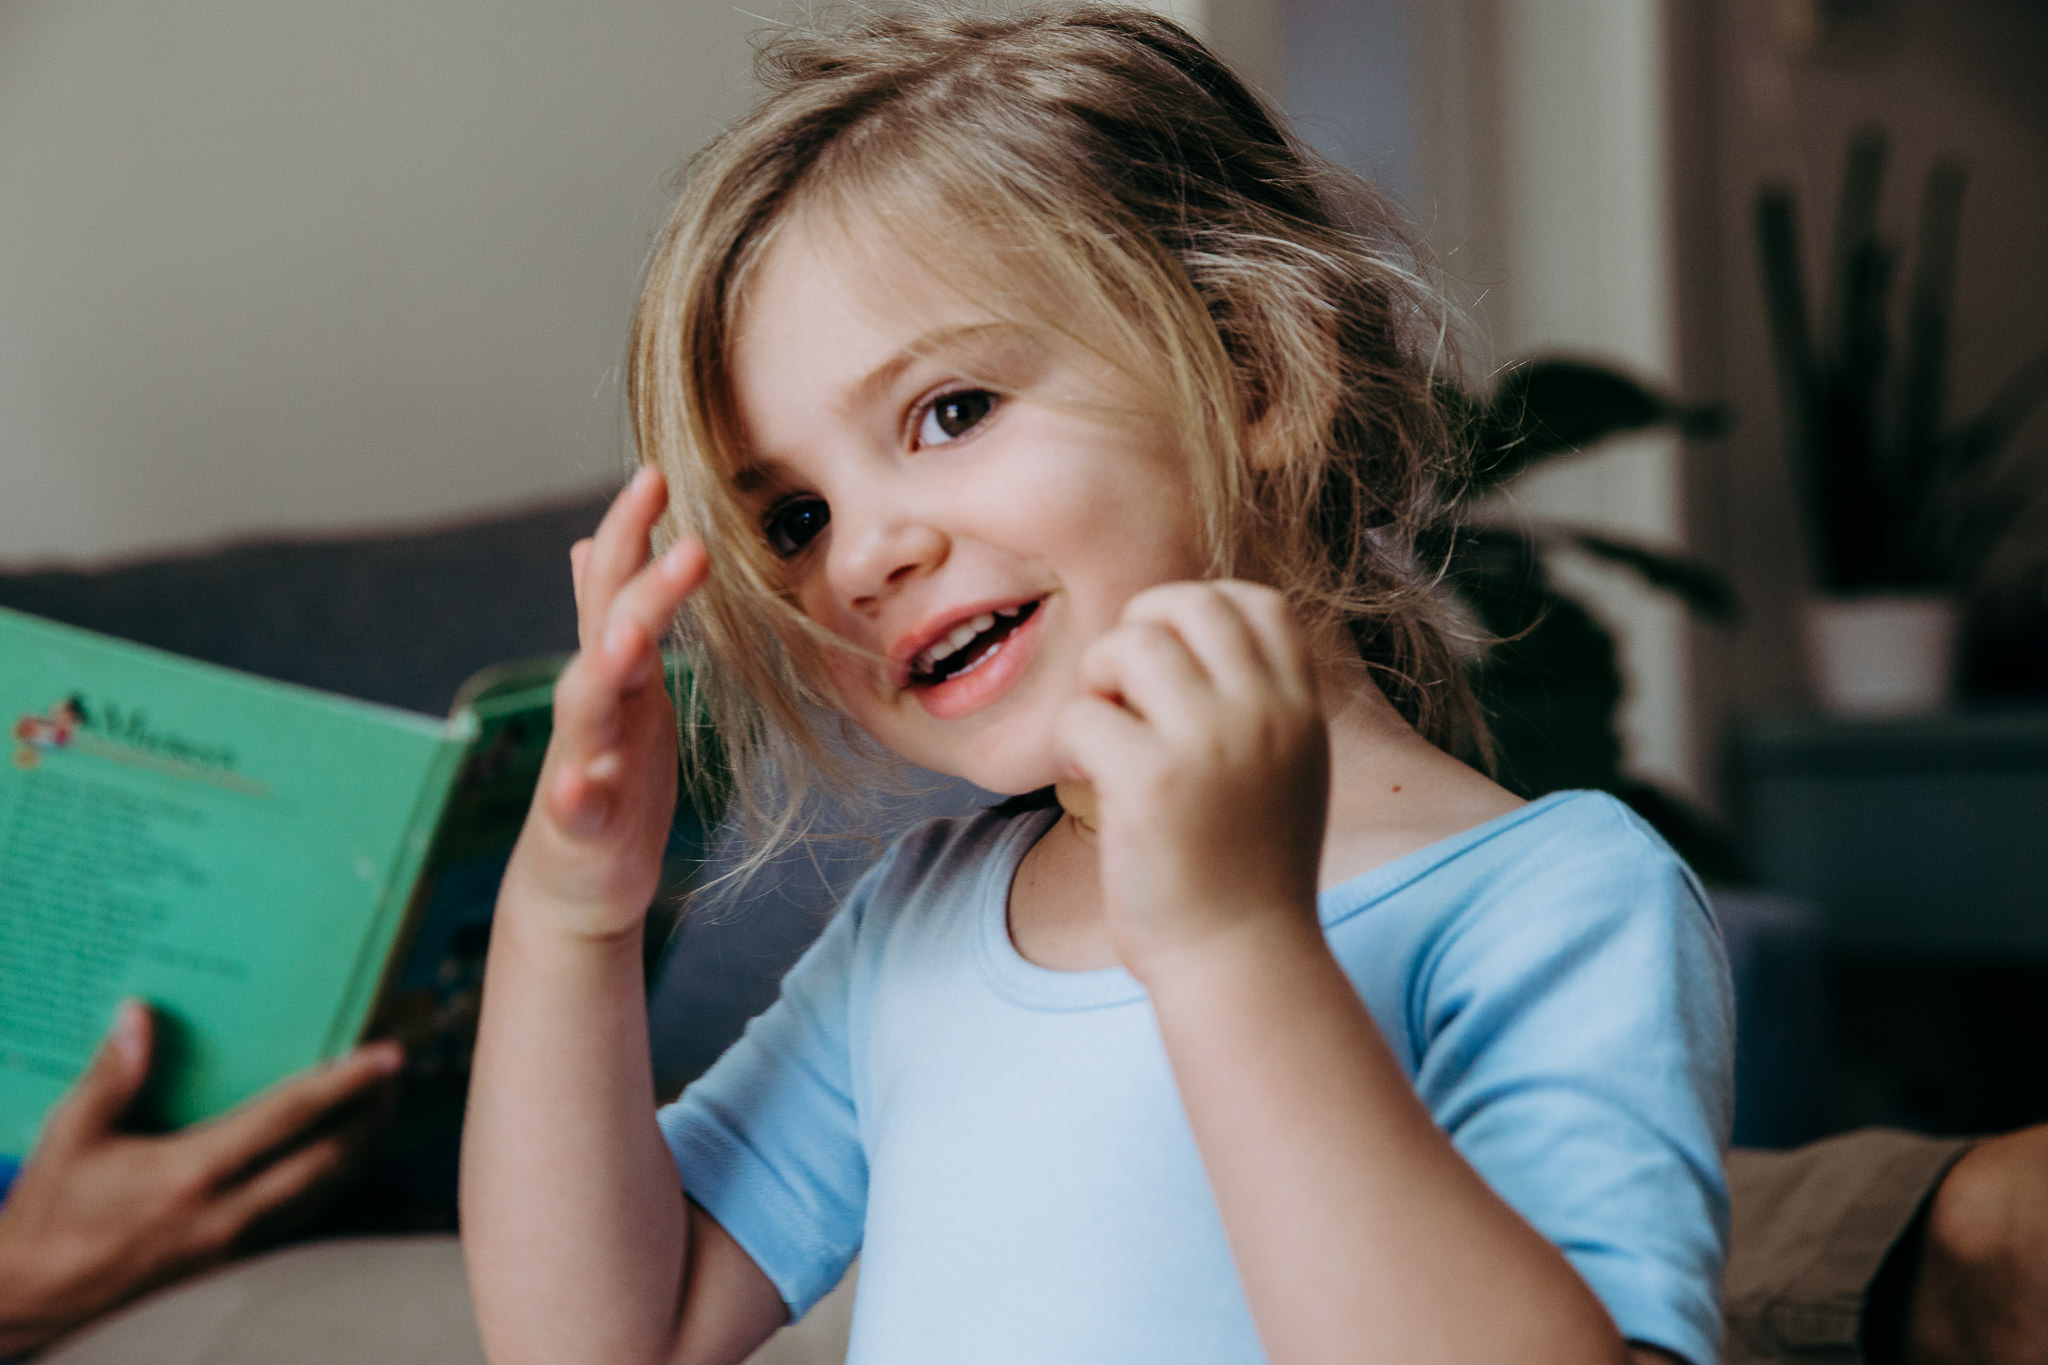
102, 1094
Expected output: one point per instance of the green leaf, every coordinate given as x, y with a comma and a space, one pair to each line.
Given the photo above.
1499, 573
1700, 585
1930, 308
1855, 233
1554, 406
1550, 693
1777, 231
1975, 443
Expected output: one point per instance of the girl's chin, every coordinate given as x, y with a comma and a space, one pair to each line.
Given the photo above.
996, 773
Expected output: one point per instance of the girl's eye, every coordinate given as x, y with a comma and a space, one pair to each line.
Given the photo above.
954, 414
794, 523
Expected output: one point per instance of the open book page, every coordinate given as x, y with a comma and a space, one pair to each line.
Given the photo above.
237, 852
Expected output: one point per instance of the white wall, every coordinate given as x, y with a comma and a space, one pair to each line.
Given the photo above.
298, 266
1349, 82
1589, 271
1543, 123
283, 267
1245, 33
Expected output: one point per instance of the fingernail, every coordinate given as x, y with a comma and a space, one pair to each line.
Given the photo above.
643, 478
672, 559
604, 768
128, 1027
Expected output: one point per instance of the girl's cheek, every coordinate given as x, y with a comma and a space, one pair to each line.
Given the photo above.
851, 681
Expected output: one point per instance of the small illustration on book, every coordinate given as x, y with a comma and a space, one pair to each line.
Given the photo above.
51, 730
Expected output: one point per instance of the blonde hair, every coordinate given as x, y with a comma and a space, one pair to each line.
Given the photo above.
1095, 175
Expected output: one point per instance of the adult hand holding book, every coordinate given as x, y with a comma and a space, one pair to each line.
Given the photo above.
101, 1214
279, 872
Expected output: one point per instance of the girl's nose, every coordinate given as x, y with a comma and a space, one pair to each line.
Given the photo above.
876, 556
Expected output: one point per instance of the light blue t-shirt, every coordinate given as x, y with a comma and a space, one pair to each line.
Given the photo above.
1004, 1148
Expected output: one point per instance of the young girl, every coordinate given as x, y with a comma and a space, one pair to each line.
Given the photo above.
1013, 388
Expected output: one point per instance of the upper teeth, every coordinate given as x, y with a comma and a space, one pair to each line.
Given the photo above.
957, 638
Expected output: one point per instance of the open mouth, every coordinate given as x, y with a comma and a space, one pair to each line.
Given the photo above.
971, 644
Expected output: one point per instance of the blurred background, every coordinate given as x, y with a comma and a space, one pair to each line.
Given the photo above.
284, 283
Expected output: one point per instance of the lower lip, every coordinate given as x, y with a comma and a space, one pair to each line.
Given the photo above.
967, 692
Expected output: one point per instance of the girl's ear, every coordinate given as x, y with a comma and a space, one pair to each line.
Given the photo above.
1294, 411
1295, 416
1266, 443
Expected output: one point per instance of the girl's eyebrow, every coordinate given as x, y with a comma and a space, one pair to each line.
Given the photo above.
755, 474
878, 380
751, 477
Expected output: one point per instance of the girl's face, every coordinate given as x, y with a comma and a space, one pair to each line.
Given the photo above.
950, 496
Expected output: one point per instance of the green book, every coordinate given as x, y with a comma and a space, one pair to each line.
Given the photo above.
279, 872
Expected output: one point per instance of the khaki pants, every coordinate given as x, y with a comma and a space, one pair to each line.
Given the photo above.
1811, 1229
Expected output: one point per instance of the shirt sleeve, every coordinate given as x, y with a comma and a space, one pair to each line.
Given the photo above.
767, 1140
1576, 1038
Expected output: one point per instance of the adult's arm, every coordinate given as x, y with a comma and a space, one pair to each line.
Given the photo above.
1913, 1250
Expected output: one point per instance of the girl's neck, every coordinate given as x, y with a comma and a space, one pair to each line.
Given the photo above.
1391, 792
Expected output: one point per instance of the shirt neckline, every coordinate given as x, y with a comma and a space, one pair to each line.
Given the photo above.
1023, 982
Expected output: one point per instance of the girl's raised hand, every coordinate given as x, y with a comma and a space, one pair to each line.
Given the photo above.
1200, 729
591, 848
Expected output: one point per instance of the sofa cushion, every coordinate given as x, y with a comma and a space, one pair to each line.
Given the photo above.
395, 617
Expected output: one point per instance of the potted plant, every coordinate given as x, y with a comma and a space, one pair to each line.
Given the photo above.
1903, 506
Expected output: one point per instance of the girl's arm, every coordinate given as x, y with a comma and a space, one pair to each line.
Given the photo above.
1358, 1230
579, 1242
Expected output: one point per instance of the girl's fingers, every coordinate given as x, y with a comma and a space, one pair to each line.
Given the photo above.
1148, 668
579, 555
610, 711
642, 610
1266, 614
618, 550
1212, 624
1093, 736
578, 796
626, 655
590, 714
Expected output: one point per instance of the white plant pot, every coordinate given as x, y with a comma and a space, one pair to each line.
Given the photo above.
1882, 654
